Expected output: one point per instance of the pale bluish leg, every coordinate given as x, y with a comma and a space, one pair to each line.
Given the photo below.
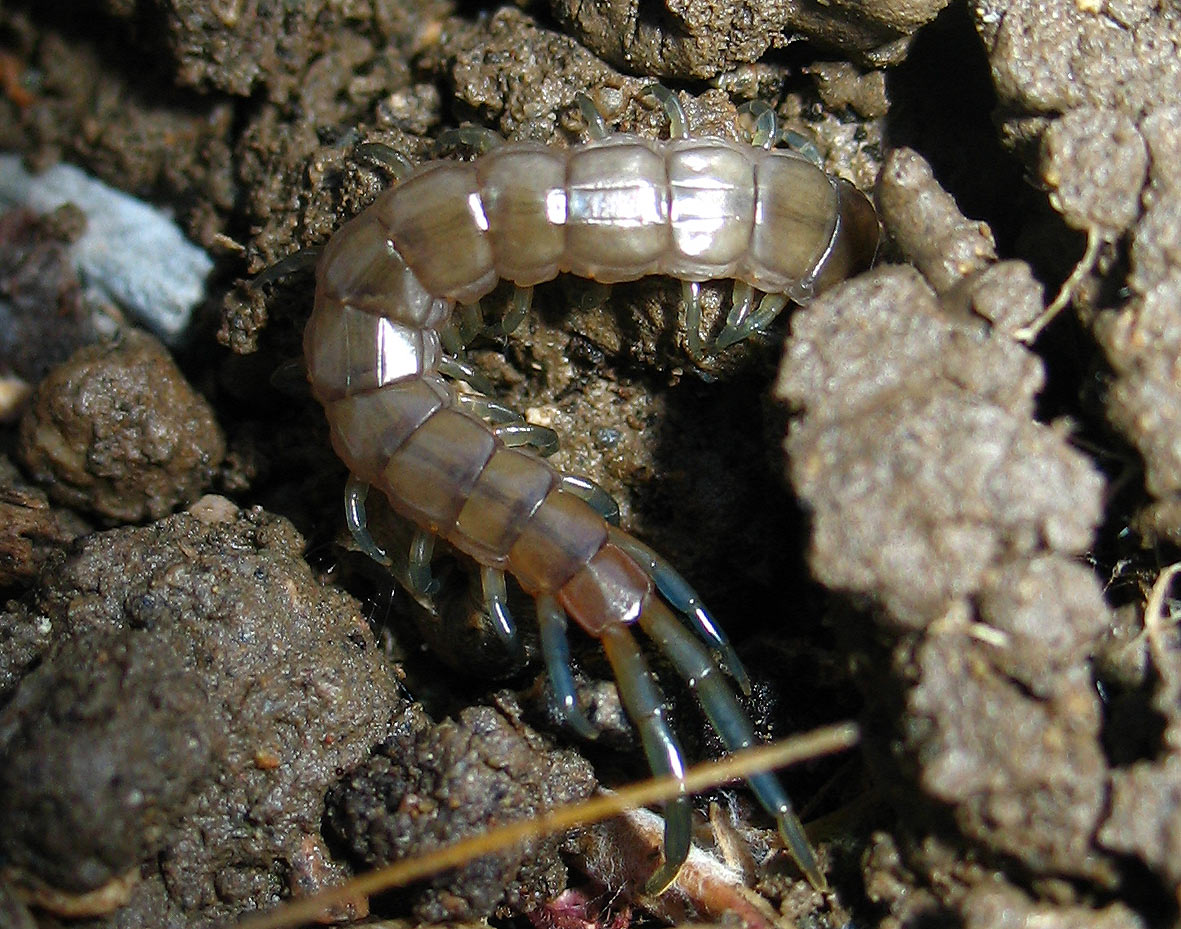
496, 603
509, 425
731, 724
466, 372
678, 125
418, 568
551, 619
590, 492
593, 295
518, 309
486, 408
645, 705
477, 139
676, 590
387, 157
596, 126
355, 492
471, 321
769, 307
691, 297
802, 145
766, 123
515, 435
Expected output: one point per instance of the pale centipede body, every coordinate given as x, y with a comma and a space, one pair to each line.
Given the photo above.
613, 210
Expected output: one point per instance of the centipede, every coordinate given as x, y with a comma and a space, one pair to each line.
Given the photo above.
384, 360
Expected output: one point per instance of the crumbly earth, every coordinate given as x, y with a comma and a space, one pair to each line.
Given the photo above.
930, 508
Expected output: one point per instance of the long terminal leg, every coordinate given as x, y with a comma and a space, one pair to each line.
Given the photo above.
552, 621
676, 590
645, 706
731, 724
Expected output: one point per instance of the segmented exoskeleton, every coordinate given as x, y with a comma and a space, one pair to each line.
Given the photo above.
459, 466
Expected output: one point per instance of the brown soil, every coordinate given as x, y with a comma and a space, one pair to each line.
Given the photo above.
919, 507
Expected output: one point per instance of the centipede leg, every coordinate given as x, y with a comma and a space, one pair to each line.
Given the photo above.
678, 125
421, 583
355, 492
515, 435
496, 602
769, 307
596, 126
676, 590
552, 623
645, 706
465, 371
478, 139
731, 724
691, 298
594, 495
766, 123
802, 145
387, 157
518, 309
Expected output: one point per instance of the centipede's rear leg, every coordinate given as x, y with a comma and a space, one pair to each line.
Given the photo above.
694, 664
645, 705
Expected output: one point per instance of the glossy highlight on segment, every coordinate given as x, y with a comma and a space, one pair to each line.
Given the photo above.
464, 468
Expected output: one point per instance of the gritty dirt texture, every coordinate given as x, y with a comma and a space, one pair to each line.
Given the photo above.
703, 38
30, 529
441, 783
1104, 140
198, 695
116, 431
1020, 756
43, 318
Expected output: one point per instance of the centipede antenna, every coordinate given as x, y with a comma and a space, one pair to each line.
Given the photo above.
596, 126
678, 125
694, 664
555, 648
496, 600
355, 493
676, 590
645, 706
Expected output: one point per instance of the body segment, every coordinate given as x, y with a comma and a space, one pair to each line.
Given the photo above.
613, 210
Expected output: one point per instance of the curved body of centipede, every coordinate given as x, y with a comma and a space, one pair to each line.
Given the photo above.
460, 467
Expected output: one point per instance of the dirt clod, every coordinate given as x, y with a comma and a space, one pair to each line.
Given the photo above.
116, 431
441, 783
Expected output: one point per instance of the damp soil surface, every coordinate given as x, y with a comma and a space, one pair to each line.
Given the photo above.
942, 499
